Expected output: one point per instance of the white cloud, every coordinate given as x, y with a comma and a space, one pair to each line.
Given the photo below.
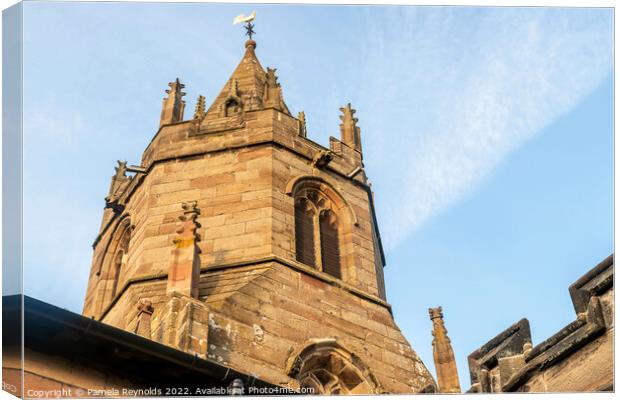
444, 95
482, 90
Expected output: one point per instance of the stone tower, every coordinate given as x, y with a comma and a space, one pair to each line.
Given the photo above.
443, 355
240, 240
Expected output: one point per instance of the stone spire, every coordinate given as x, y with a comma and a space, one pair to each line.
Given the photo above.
445, 364
249, 88
200, 111
145, 312
301, 117
119, 178
349, 131
184, 272
273, 92
174, 105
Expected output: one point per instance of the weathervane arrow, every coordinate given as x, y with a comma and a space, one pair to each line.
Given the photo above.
249, 26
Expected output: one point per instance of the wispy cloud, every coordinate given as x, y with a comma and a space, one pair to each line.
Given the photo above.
444, 94
470, 87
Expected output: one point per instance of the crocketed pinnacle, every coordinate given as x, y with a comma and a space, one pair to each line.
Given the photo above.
443, 355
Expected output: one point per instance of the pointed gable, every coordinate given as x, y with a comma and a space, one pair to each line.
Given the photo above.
249, 88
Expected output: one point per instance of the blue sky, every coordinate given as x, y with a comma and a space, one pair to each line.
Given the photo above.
487, 135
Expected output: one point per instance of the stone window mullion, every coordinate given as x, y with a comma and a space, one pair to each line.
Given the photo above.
317, 241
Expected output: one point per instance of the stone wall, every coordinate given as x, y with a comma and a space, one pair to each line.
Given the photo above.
263, 325
245, 210
578, 358
257, 318
224, 283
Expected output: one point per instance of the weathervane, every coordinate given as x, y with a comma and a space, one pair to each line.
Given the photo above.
249, 26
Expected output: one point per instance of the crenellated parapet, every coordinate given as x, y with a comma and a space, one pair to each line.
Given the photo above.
578, 358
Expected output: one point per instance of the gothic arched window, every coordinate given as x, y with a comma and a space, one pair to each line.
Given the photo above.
317, 241
327, 368
304, 232
330, 243
114, 263
116, 271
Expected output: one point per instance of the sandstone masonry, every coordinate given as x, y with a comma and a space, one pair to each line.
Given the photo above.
240, 240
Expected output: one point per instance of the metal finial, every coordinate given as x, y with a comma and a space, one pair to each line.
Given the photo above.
249, 31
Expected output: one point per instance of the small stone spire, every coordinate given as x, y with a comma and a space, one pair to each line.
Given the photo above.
119, 179
445, 364
200, 111
247, 90
184, 271
349, 131
273, 91
301, 117
145, 312
174, 105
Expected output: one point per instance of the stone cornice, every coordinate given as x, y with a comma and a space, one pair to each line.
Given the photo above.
265, 260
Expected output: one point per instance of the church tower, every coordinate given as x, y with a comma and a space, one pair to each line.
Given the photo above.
240, 240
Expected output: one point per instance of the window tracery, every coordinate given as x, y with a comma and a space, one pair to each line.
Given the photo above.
114, 263
317, 228
327, 368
